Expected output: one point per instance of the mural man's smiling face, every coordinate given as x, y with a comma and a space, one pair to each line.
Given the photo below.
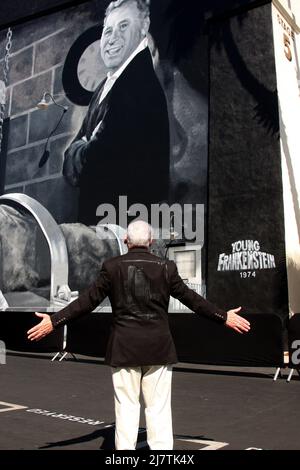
121, 35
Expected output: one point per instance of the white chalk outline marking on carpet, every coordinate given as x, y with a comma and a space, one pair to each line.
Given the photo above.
10, 406
209, 445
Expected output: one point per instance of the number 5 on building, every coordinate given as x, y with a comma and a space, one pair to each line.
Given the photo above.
287, 48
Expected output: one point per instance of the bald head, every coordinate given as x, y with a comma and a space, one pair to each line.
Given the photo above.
139, 233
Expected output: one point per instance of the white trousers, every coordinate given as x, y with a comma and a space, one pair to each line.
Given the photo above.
155, 383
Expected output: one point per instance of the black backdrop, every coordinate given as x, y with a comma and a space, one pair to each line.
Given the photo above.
245, 181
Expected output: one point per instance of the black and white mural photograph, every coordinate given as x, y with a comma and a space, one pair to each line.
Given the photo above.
98, 109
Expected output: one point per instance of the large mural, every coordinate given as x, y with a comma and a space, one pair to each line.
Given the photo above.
104, 103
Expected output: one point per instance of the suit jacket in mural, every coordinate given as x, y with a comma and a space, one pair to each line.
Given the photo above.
129, 154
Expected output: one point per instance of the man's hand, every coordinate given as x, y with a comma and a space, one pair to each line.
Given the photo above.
236, 322
42, 329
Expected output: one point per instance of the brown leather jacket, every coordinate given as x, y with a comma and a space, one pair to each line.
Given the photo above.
139, 286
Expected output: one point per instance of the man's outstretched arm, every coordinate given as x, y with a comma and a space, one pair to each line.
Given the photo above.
201, 306
83, 305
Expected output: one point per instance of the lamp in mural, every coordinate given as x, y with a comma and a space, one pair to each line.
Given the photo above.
43, 104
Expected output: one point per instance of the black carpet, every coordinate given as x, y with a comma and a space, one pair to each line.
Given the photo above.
68, 405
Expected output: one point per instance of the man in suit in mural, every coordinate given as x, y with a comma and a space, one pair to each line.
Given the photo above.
123, 144
140, 349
